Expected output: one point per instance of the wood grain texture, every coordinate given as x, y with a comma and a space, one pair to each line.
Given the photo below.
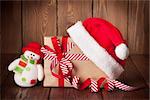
138, 27
142, 65
132, 77
114, 11
36, 93
71, 11
11, 26
39, 20
28, 21
73, 94
8, 87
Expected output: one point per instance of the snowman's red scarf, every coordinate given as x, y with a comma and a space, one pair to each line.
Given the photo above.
23, 63
107, 84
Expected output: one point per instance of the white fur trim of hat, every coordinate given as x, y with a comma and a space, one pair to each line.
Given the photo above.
95, 52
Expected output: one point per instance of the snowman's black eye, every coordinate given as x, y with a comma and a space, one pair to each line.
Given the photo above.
31, 54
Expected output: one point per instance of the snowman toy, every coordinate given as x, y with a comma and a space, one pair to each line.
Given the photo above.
27, 68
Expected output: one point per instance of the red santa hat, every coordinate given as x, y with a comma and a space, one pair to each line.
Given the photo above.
34, 47
102, 43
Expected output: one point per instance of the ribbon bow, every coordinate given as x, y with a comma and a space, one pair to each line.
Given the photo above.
61, 58
64, 63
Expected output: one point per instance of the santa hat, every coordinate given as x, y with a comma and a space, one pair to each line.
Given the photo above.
34, 47
102, 43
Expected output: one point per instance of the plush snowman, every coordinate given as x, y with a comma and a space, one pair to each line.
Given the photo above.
27, 68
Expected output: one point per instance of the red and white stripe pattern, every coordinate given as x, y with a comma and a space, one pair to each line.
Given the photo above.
116, 84
48, 54
80, 57
122, 86
68, 56
94, 86
65, 66
110, 85
75, 81
65, 63
54, 63
70, 45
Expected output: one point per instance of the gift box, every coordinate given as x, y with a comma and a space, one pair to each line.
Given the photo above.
82, 68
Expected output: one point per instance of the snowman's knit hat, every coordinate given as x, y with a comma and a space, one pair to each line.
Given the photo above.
34, 47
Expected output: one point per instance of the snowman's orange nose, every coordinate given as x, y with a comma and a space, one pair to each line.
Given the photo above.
31, 57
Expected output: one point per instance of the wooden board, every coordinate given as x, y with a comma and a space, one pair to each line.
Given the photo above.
142, 65
28, 21
71, 11
11, 27
138, 27
36, 93
8, 87
39, 20
73, 94
132, 77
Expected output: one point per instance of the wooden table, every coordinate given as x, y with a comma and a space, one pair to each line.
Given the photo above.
136, 73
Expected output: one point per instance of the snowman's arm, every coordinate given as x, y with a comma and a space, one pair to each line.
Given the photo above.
40, 72
13, 64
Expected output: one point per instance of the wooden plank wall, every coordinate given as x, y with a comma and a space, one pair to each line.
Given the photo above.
26, 21
11, 27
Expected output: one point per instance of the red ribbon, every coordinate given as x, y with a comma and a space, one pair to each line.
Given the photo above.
60, 57
107, 84
59, 52
88, 82
56, 56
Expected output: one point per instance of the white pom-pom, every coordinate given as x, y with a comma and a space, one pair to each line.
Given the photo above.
122, 51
